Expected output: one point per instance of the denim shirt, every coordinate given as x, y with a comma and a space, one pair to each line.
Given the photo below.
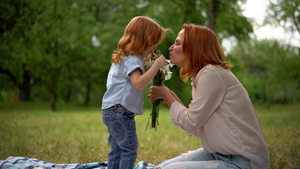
119, 87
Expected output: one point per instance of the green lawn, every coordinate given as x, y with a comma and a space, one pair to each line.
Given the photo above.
78, 135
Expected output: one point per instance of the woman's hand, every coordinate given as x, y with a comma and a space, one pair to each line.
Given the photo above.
156, 92
164, 93
161, 92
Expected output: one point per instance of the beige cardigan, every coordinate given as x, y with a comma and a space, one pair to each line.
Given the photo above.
223, 117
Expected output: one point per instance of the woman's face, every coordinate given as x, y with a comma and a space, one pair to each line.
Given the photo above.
176, 52
148, 50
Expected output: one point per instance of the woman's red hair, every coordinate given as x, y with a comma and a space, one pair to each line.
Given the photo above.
140, 33
200, 47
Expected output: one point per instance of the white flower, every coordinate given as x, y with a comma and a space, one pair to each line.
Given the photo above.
169, 63
166, 70
168, 75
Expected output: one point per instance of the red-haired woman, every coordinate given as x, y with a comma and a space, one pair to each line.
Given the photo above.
220, 113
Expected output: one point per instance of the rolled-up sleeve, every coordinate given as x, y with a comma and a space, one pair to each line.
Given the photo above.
207, 96
132, 63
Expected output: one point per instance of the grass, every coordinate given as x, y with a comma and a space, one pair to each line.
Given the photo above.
77, 134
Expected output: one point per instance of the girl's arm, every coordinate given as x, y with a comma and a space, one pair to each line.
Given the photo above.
140, 81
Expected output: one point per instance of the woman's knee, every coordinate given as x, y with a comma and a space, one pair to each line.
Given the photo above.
198, 155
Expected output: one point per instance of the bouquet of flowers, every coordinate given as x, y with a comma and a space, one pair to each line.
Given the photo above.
162, 75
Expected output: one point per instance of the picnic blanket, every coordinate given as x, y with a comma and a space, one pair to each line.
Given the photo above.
32, 163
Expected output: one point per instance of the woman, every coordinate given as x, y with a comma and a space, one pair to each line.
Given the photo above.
220, 113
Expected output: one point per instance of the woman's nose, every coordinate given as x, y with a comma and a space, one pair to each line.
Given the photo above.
171, 48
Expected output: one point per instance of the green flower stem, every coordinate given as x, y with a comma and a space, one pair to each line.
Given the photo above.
155, 113
157, 81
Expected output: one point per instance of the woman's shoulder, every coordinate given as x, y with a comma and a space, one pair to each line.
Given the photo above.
218, 72
211, 71
214, 67
209, 68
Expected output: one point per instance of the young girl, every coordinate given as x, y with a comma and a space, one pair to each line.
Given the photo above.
125, 83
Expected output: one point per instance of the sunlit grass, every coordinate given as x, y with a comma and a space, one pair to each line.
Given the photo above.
78, 135
281, 125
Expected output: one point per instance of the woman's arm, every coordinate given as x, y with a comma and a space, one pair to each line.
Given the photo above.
208, 94
174, 96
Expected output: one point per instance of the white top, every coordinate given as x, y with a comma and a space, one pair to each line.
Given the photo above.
222, 116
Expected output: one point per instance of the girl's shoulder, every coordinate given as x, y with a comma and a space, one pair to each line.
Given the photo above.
132, 58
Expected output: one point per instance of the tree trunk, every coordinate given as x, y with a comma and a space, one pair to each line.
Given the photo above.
67, 95
54, 78
53, 101
24, 87
213, 13
87, 95
24, 95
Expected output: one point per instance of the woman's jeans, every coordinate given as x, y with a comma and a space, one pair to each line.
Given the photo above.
202, 159
122, 137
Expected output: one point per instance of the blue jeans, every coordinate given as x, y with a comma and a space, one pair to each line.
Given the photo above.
122, 137
202, 159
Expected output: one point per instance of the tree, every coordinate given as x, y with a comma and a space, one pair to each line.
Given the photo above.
50, 42
284, 13
268, 70
213, 13
223, 16
72, 62
16, 18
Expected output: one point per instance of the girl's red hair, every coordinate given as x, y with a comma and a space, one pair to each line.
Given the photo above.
140, 33
200, 47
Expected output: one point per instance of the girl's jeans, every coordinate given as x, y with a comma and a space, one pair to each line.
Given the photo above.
202, 159
122, 137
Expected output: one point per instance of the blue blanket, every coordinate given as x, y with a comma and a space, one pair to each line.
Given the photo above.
32, 163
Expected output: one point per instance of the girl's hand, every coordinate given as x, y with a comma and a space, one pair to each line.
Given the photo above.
160, 62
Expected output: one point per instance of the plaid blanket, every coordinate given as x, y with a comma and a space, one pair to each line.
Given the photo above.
32, 163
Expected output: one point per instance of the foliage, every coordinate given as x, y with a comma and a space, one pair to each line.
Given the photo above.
45, 44
268, 70
59, 50
284, 13
231, 23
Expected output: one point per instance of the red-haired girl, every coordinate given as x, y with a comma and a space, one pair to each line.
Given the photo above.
125, 83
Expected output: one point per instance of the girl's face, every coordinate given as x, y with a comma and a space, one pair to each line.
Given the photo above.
148, 50
176, 53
